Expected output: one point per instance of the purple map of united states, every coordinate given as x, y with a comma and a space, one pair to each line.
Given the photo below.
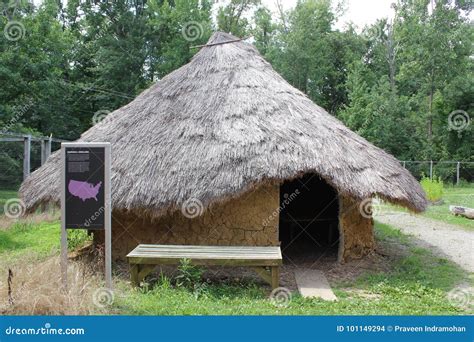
84, 190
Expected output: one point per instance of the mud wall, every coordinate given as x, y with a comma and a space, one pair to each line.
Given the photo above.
248, 220
355, 230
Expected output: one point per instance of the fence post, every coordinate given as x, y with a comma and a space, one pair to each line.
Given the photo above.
404, 164
458, 166
431, 170
26, 155
43, 151
48, 147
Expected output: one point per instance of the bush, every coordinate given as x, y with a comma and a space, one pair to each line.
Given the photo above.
190, 277
433, 188
188, 274
77, 238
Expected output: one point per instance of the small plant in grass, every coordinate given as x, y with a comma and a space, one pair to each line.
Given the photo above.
433, 188
190, 277
77, 238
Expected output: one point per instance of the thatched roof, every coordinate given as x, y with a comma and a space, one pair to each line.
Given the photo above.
221, 125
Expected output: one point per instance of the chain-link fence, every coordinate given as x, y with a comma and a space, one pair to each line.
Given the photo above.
21, 154
453, 172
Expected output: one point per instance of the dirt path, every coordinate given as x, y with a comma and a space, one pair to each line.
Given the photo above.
444, 239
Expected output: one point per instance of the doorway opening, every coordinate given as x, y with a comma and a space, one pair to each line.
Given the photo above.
309, 219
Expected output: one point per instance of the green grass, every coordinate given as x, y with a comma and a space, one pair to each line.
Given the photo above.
6, 195
417, 285
27, 239
453, 195
463, 196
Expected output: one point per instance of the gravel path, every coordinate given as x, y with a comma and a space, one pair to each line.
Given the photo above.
444, 239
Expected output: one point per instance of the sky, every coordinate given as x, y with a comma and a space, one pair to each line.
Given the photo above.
360, 12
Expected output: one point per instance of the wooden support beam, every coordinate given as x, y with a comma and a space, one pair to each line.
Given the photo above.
48, 147
45, 149
458, 166
220, 43
26, 156
134, 269
272, 277
144, 271
11, 139
43, 153
139, 272
275, 276
262, 272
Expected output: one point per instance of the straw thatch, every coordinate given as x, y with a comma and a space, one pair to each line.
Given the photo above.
221, 125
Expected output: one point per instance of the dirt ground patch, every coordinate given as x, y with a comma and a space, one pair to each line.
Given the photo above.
443, 239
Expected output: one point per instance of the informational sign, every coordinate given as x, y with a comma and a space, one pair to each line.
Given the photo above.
85, 196
85, 183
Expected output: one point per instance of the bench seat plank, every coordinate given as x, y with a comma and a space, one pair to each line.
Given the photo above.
247, 255
144, 256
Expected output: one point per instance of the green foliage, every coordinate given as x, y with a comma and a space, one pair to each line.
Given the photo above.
188, 274
5, 195
433, 188
190, 277
454, 195
28, 240
231, 18
77, 238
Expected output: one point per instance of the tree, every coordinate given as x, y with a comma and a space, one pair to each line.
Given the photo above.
264, 29
231, 18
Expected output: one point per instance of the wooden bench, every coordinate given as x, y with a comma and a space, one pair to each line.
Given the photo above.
265, 261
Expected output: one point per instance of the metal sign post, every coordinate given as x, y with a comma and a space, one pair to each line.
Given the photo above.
85, 197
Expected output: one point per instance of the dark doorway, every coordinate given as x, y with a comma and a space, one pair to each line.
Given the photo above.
309, 211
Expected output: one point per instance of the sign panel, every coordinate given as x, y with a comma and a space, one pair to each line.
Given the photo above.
85, 196
85, 187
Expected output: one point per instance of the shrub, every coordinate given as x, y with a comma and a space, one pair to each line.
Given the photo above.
433, 188
188, 275
77, 238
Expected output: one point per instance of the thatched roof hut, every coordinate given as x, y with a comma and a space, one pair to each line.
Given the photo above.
220, 127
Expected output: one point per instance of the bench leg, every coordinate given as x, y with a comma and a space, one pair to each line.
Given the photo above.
134, 270
139, 272
275, 276
262, 272
272, 277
